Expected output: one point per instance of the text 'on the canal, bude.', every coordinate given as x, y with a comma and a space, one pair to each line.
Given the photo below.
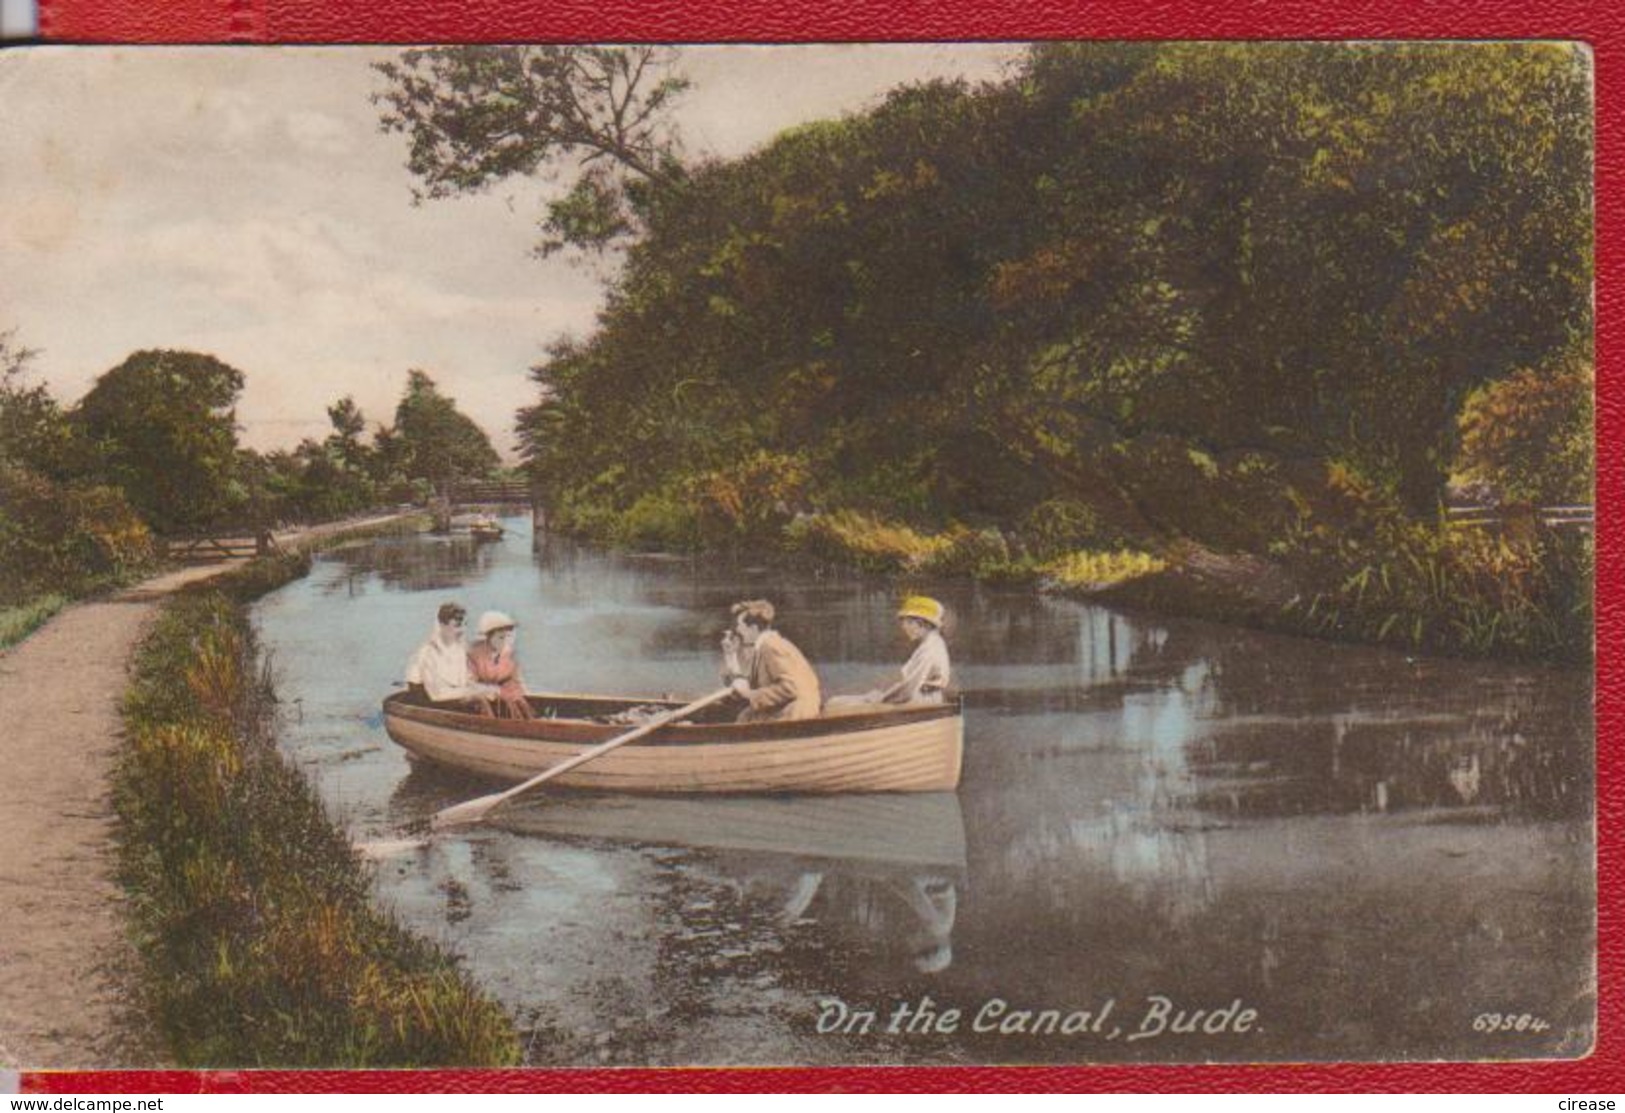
1156, 1016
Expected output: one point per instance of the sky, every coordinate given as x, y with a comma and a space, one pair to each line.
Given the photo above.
243, 202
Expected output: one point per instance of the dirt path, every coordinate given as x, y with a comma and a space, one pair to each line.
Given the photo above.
64, 959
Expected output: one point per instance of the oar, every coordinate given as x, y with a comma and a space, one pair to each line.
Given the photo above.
473, 811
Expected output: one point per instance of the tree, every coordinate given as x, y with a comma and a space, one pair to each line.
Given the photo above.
1317, 249
348, 425
34, 432
437, 441
476, 115
163, 427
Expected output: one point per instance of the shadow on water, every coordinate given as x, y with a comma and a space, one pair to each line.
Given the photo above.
1368, 851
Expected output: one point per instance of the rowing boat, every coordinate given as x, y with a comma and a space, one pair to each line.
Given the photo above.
903, 749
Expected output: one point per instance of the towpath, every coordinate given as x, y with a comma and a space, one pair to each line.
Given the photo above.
65, 963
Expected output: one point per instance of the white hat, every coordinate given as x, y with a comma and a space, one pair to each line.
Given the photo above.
491, 621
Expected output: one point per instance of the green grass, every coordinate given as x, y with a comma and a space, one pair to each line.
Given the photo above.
16, 623
259, 942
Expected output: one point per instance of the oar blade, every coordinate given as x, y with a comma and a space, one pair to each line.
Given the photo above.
468, 812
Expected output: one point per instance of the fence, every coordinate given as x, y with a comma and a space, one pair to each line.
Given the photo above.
1522, 517
210, 546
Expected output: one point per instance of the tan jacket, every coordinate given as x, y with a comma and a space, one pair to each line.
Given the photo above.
782, 683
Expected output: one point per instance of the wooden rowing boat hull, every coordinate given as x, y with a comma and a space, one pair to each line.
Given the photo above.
910, 750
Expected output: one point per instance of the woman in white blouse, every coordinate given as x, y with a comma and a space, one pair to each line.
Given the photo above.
926, 673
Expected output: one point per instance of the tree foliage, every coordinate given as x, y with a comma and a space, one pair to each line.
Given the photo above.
437, 441
1129, 273
61, 529
163, 428
430, 444
477, 115
34, 431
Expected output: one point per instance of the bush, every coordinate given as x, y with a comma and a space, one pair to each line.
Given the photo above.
850, 537
658, 520
68, 538
961, 551
753, 500
1060, 526
1373, 574
1528, 437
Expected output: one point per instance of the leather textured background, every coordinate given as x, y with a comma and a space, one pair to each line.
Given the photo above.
333, 21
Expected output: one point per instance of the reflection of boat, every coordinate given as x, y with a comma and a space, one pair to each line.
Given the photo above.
904, 749
921, 830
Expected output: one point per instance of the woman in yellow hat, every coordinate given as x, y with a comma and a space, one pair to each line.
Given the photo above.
926, 673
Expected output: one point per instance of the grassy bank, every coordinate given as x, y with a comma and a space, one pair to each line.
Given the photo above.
1374, 576
17, 622
259, 943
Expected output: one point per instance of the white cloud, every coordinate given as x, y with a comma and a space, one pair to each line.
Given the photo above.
319, 132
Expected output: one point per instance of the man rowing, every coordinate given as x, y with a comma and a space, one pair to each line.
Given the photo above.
765, 670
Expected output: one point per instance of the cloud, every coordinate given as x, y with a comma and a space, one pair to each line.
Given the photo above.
244, 203
319, 132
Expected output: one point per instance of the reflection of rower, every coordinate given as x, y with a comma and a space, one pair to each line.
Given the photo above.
881, 865
932, 899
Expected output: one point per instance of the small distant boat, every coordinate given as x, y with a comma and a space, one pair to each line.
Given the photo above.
902, 749
484, 529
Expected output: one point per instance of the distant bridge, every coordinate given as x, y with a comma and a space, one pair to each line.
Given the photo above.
507, 490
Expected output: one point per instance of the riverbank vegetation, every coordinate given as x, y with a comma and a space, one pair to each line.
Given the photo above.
17, 622
258, 942
152, 449
1250, 313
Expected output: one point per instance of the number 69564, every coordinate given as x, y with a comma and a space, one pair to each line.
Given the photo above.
1509, 1022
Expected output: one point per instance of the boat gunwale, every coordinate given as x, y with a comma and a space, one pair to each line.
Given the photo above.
560, 730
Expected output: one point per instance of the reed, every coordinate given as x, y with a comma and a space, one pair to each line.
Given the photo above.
252, 916
1469, 593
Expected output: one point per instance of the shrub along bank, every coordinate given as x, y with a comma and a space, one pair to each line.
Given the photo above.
1307, 550
259, 944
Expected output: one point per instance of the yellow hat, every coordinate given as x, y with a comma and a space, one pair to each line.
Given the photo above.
921, 607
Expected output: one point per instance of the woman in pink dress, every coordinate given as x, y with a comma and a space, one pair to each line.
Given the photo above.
491, 661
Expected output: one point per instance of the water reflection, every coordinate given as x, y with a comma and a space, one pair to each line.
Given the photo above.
1363, 846
430, 562
879, 873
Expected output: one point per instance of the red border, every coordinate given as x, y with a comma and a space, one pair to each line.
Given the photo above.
337, 21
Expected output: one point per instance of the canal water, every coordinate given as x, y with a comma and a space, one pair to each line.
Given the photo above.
1174, 840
